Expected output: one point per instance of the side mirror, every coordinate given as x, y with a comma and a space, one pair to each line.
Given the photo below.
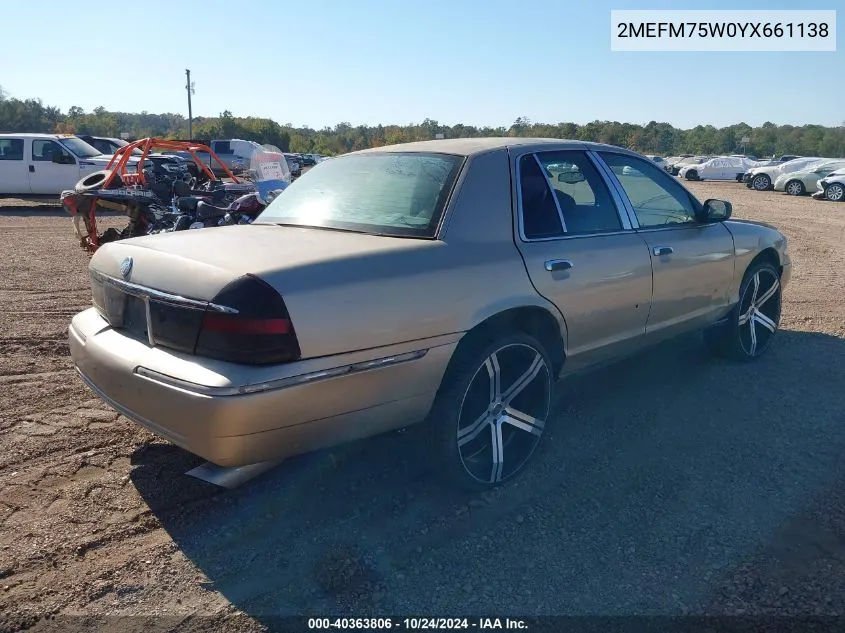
63, 159
716, 210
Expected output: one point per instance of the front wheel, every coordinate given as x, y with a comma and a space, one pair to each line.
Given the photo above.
753, 323
835, 192
795, 188
491, 410
761, 182
692, 175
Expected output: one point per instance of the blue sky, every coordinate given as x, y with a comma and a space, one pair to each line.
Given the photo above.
479, 62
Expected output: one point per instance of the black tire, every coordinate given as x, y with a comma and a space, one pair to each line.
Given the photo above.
692, 174
96, 180
795, 188
747, 333
476, 426
835, 192
761, 182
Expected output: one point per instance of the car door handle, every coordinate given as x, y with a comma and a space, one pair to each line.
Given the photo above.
32, 169
659, 251
553, 265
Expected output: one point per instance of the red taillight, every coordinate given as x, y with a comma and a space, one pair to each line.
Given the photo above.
259, 333
227, 324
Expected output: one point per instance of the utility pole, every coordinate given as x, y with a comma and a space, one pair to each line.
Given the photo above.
189, 86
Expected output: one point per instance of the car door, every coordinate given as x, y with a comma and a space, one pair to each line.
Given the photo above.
581, 254
733, 168
47, 176
693, 262
14, 175
723, 171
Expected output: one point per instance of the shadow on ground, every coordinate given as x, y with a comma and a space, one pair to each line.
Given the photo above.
660, 476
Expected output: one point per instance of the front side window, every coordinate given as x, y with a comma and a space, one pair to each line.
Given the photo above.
657, 199
104, 146
45, 150
582, 195
79, 147
11, 149
399, 194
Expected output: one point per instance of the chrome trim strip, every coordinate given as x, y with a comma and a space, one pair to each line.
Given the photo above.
615, 184
577, 236
618, 195
281, 383
149, 318
143, 292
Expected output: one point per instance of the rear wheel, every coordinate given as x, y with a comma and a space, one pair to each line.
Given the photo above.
761, 182
491, 410
835, 192
753, 323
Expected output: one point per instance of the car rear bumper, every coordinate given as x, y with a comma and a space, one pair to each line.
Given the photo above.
266, 412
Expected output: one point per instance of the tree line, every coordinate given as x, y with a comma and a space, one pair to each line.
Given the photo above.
31, 115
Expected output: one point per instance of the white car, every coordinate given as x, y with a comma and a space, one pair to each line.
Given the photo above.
762, 177
798, 183
46, 164
832, 186
659, 161
719, 168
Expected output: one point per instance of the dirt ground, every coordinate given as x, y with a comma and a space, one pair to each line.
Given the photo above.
671, 484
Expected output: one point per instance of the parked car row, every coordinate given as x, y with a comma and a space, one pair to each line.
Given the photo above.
47, 164
823, 178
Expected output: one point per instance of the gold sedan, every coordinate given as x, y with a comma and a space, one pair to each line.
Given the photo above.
448, 282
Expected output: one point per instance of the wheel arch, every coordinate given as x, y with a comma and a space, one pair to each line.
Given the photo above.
768, 254
537, 321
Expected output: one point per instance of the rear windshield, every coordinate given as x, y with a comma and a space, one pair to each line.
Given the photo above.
386, 194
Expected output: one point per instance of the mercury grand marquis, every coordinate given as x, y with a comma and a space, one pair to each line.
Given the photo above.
449, 283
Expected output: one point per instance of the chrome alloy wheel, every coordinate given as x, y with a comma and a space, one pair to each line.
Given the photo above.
759, 312
761, 182
503, 413
835, 192
794, 188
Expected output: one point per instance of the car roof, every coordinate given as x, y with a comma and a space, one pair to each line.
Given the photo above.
37, 135
473, 146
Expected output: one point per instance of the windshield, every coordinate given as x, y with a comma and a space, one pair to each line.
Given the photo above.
79, 147
380, 193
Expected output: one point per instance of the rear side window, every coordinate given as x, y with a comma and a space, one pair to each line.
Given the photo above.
582, 195
11, 149
540, 217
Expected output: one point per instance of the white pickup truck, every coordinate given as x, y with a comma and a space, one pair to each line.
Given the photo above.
45, 164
